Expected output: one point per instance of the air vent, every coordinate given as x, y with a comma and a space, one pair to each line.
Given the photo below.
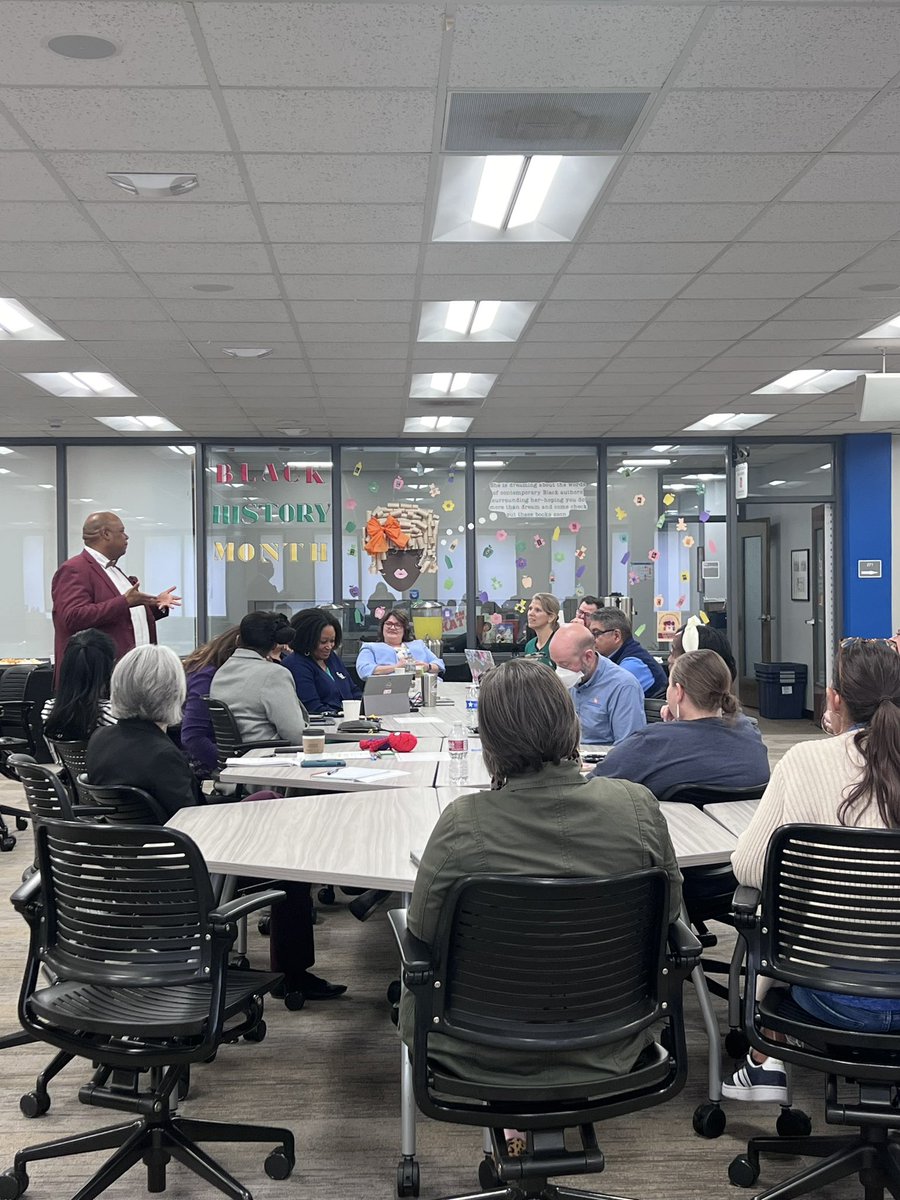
449, 401
541, 122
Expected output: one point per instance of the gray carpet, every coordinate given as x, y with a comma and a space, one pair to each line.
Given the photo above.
331, 1073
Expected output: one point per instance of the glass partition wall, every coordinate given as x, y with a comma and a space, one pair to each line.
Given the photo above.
28, 541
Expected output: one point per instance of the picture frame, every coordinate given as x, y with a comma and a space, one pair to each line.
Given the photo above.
800, 575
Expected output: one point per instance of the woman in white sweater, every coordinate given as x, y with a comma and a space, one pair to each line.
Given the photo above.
850, 779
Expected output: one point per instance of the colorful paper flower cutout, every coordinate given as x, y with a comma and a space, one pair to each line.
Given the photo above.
640, 500
659, 601
373, 486
681, 525
433, 490
559, 556
653, 555
379, 612
625, 557
448, 562
496, 583
502, 535
574, 527
538, 541
398, 483
633, 579
669, 499
520, 547
483, 597
687, 542
521, 564
521, 606
352, 551
621, 514
350, 504
680, 603
448, 585
496, 618
354, 591
526, 582
640, 629
448, 506
579, 592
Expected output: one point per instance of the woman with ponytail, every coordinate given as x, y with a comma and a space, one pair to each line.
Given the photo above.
850, 779
82, 694
706, 739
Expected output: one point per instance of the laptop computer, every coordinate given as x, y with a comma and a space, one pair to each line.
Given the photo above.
387, 695
479, 661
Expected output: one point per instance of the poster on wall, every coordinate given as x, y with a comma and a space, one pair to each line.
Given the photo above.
800, 575
536, 500
667, 625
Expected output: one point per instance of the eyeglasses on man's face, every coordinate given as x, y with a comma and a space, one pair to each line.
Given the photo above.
600, 632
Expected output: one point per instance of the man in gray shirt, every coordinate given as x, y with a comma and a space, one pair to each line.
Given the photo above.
265, 706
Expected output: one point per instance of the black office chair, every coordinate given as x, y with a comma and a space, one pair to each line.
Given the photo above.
141, 986
653, 709
828, 916
72, 758
120, 805
229, 743
544, 967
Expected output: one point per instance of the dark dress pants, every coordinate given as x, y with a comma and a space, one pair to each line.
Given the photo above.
292, 948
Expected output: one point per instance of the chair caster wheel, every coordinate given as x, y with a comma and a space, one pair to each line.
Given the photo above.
793, 1122
279, 1164
743, 1172
257, 1033
7, 843
34, 1104
12, 1184
294, 1001
709, 1120
393, 991
736, 1044
263, 926
487, 1173
407, 1177
326, 895
21, 824
241, 963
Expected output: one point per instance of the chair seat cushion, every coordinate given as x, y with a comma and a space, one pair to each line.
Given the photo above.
176, 1010
778, 1010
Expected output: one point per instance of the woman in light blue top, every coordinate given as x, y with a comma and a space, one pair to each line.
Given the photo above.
397, 648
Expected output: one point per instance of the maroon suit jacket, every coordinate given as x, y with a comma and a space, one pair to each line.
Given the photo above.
85, 598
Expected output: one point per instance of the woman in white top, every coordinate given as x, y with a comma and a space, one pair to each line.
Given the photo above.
851, 779
81, 703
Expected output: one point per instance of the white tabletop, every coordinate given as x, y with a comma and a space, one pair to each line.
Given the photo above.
698, 841
352, 840
734, 815
273, 771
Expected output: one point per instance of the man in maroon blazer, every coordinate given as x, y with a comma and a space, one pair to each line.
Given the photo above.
90, 591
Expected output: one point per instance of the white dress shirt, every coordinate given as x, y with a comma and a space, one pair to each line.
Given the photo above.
120, 580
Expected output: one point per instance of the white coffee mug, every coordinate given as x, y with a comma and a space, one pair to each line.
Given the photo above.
352, 709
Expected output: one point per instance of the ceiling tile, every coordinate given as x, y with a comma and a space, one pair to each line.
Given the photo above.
567, 350
116, 331
825, 222
732, 121
705, 177
332, 121
242, 287
179, 256
82, 309
837, 330
850, 177
44, 222
342, 222
336, 260
619, 287
218, 175
311, 45
56, 256
237, 333
97, 285
859, 310
552, 46
483, 287
485, 259
318, 346
338, 178
599, 310
633, 257
173, 221
721, 310
878, 130
123, 119
711, 285
793, 46
225, 310
852, 283
24, 177
575, 331
323, 332
799, 256
350, 311
670, 222
716, 331
154, 43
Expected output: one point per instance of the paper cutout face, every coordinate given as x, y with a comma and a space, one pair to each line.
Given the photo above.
401, 569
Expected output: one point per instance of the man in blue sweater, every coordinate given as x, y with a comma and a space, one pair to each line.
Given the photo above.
614, 639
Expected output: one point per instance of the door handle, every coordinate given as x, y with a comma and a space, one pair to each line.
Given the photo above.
765, 617
810, 621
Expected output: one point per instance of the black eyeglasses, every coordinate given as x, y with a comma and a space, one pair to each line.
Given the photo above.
598, 632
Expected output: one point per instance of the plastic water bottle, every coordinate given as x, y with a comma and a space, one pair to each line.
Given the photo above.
458, 744
472, 707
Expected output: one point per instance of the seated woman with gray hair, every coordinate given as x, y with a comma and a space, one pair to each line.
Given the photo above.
147, 693
540, 817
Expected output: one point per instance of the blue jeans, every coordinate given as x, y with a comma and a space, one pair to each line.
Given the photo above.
845, 1016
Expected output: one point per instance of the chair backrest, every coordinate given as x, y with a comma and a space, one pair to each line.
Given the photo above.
122, 805
653, 709
225, 731
830, 915
44, 790
158, 935
551, 964
73, 756
700, 794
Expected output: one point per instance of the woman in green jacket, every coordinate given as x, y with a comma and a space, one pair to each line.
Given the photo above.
543, 621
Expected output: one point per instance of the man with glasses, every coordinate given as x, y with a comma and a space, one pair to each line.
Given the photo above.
586, 609
614, 639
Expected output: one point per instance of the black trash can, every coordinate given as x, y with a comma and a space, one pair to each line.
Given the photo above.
782, 690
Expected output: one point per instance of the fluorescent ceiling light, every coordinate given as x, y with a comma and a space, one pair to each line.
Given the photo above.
484, 463
6, 450
188, 450
148, 424
48, 487
888, 329
536, 181
78, 383
513, 189
5, 471
811, 383
473, 320
17, 323
249, 352
794, 379
471, 316
775, 483
153, 183
434, 424
728, 422
647, 462
312, 465
661, 449
432, 385
704, 477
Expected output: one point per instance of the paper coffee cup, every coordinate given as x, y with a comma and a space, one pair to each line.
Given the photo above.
351, 710
314, 743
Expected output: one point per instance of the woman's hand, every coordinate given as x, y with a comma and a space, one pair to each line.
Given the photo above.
666, 714
428, 666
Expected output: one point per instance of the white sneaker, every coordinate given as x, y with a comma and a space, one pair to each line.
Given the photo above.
758, 1081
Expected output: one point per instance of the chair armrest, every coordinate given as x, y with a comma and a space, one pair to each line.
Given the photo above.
684, 946
26, 894
744, 906
245, 746
233, 910
82, 811
415, 955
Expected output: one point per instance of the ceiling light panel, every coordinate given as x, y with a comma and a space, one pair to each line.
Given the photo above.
461, 384
474, 320
517, 198
147, 424
436, 424
815, 382
71, 384
19, 324
728, 422
541, 122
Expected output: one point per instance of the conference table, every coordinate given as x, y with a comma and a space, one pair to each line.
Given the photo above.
733, 815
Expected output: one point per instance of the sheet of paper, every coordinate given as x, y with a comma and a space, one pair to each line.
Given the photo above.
365, 774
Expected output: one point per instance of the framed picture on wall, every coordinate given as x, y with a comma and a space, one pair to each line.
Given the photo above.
800, 575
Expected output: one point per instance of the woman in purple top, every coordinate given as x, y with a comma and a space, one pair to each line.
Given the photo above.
197, 739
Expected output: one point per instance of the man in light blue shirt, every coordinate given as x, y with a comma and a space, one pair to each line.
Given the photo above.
608, 699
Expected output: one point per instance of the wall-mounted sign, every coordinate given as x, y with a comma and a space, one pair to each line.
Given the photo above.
868, 568
741, 480
536, 500
710, 569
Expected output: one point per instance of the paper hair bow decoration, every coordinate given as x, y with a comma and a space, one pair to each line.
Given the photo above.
382, 535
690, 639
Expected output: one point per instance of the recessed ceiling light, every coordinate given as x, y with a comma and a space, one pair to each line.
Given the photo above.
459, 384
188, 450
5, 471
887, 329
775, 483
513, 188
17, 323
661, 449
211, 287
473, 320
6, 450
814, 382
250, 352
153, 183
703, 477
484, 464
81, 45
436, 424
728, 422
149, 424
295, 432
78, 383
647, 462
48, 487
